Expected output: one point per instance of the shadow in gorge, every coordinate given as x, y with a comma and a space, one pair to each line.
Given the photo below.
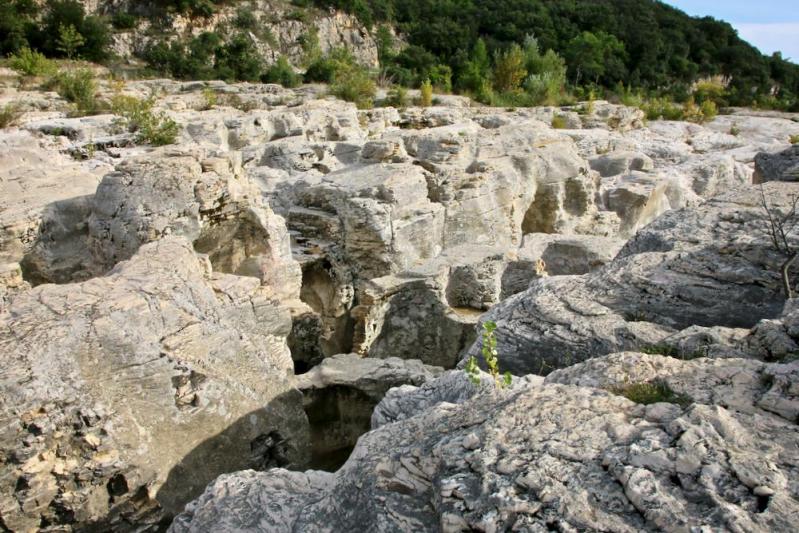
328, 328
338, 416
275, 436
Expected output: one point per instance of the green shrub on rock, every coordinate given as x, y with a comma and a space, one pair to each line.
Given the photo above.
79, 88
9, 114
426, 94
137, 116
31, 63
283, 73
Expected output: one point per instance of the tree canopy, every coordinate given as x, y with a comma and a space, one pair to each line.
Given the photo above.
644, 43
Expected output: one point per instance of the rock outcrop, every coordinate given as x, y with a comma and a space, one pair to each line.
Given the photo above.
782, 166
277, 28
40, 187
124, 395
549, 456
713, 265
149, 298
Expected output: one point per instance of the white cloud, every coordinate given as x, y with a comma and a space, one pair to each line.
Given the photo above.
772, 37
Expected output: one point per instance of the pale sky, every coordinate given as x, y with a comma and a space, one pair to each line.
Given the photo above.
771, 25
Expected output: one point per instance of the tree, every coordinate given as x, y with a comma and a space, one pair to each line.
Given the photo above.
780, 227
69, 40
547, 73
477, 68
596, 57
509, 71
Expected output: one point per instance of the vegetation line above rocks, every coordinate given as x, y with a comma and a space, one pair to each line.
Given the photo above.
525, 53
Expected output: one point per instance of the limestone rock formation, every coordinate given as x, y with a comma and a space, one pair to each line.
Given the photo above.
122, 396
285, 219
549, 456
152, 196
276, 30
713, 265
42, 187
373, 377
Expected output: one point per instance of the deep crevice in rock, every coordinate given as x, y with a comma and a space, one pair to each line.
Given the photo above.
328, 329
338, 416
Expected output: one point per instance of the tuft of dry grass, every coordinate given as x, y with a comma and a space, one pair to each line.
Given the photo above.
10, 114
647, 393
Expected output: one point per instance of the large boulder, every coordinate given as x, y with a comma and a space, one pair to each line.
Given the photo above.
548, 456
206, 200
123, 396
713, 265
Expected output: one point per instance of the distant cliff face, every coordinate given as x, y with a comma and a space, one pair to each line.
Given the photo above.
275, 26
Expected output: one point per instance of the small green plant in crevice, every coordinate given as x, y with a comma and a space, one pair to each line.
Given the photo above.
649, 392
137, 116
235, 101
491, 358
636, 316
10, 114
735, 129
794, 139
210, 99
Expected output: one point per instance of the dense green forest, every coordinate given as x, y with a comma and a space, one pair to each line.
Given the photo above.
640, 43
501, 52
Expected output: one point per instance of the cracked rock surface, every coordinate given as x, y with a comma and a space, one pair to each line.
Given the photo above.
547, 456
124, 395
709, 266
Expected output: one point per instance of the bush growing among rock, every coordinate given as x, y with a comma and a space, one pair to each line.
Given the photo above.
283, 73
397, 97
31, 63
79, 88
559, 123
9, 114
137, 116
124, 21
426, 94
